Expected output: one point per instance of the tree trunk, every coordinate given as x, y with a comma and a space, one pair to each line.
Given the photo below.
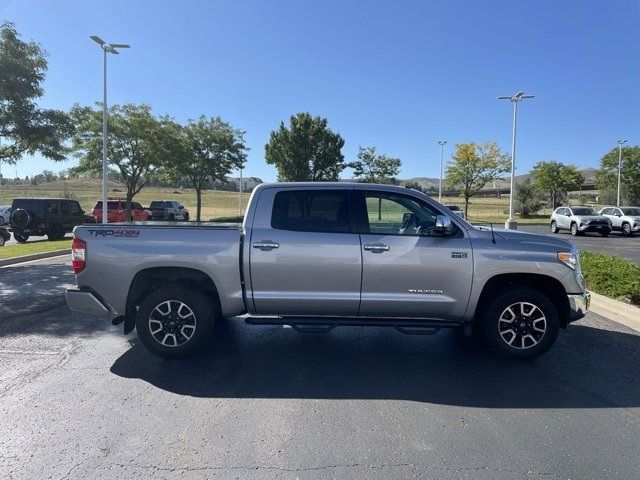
466, 208
198, 202
127, 211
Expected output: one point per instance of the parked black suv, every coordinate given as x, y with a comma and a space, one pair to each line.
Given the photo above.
53, 217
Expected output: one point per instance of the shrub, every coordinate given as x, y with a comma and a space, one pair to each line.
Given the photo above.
612, 276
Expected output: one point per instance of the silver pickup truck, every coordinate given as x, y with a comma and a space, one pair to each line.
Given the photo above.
319, 255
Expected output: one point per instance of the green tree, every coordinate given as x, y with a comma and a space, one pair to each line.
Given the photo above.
555, 179
205, 151
607, 177
138, 143
473, 166
527, 200
24, 127
414, 186
306, 151
375, 168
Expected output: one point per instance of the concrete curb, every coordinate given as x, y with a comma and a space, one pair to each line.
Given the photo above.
36, 256
616, 311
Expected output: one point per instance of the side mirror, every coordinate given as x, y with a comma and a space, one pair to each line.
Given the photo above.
567, 214
443, 225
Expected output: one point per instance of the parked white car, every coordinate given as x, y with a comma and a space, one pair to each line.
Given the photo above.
579, 220
5, 213
623, 219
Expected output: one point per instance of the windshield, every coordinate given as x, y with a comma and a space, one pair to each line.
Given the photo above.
159, 204
631, 211
584, 211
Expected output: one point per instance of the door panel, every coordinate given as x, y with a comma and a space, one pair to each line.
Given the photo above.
298, 270
409, 274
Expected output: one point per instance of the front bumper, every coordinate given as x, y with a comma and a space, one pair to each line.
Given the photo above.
595, 228
578, 305
86, 302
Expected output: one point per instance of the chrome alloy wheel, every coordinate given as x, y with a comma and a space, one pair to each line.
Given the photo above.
522, 325
172, 323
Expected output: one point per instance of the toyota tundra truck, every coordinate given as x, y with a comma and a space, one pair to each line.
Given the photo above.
315, 256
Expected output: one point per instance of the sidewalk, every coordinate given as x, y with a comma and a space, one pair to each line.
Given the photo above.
616, 311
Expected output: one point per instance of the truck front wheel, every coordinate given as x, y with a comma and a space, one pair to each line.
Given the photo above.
520, 324
175, 321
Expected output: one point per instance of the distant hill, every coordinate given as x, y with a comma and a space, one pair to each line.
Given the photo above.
589, 175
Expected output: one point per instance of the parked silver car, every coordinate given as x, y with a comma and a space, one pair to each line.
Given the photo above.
5, 213
579, 220
623, 219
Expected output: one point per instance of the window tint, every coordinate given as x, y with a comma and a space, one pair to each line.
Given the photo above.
64, 208
631, 211
75, 207
584, 211
392, 214
136, 206
51, 207
311, 211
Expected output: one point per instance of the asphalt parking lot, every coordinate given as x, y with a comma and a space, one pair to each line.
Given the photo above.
80, 400
615, 244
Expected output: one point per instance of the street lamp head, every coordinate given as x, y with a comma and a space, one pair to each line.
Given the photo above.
119, 45
517, 97
442, 142
97, 39
622, 141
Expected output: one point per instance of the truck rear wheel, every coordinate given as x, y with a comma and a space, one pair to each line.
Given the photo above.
520, 324
175, 321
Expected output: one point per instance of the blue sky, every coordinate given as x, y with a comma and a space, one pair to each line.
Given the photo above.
398, 75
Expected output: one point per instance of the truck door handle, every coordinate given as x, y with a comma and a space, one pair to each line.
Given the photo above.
266, 245
376, 247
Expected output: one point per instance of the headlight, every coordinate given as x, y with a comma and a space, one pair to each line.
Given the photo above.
570, 259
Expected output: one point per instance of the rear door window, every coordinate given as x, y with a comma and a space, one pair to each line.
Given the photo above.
311, 211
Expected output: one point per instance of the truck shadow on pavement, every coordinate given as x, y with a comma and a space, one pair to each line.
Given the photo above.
588, 368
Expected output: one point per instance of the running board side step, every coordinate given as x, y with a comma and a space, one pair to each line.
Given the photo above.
326, 324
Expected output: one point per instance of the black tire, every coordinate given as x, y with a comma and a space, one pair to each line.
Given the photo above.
171, 333
186, 217
605, 234
626, 229
574, 230
554, 227
527, 343
2, 241
20, 237
172, 217
56, 232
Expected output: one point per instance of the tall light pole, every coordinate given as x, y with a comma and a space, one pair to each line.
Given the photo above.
106, 48
620, 143
515, 99
240, 194
442, 143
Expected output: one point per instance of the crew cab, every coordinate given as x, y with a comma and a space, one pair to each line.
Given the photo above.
319, 255
117, 211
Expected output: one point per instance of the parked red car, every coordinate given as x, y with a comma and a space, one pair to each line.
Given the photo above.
117, 210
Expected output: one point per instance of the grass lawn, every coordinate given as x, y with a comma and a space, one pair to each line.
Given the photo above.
18, 250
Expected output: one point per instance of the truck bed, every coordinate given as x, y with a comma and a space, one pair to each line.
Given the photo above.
116, 253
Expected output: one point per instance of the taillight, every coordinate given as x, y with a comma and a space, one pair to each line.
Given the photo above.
78, 251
